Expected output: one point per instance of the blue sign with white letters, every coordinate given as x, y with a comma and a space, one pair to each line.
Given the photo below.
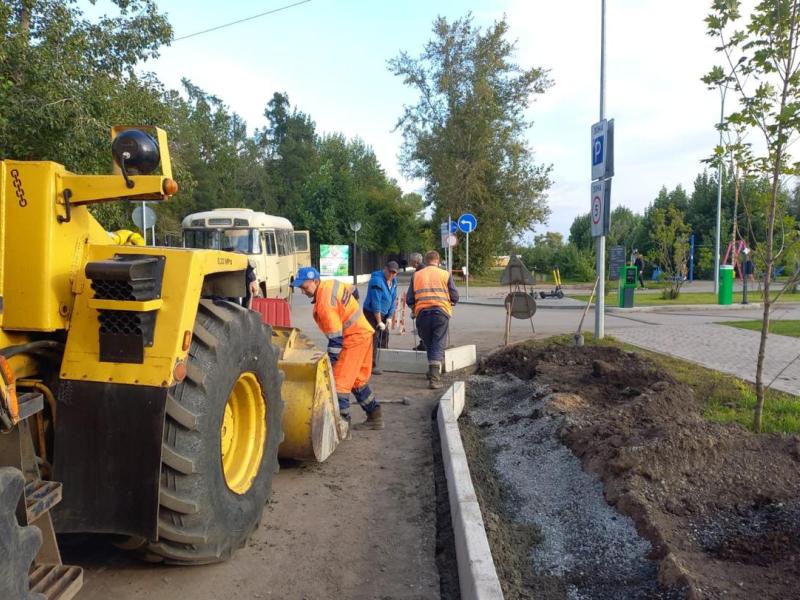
597, 150
467, 223
603, 149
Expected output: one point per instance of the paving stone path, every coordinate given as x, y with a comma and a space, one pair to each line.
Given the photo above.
727, 349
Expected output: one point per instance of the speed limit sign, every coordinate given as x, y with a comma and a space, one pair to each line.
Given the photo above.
600, 207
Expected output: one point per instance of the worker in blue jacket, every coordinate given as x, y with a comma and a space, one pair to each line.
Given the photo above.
379, 307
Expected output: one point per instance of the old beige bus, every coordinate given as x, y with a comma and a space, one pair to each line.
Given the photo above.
274, 248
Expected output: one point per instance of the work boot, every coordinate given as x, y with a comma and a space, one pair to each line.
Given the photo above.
434, 377
345, 428
374, 421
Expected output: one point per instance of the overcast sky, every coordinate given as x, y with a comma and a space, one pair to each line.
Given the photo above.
330, 56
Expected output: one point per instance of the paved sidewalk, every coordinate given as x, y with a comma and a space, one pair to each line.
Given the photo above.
727, 349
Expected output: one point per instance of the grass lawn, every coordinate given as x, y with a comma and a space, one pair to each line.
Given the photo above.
727, 399
786, 327
655, 299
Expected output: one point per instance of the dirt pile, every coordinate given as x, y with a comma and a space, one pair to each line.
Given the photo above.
717, 503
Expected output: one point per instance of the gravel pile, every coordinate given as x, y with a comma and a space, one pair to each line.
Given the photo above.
591, 549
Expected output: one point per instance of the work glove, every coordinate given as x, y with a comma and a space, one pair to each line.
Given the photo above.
389, 323
381, 325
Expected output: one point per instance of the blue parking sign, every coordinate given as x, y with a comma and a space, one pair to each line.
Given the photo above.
603, 149
597, 150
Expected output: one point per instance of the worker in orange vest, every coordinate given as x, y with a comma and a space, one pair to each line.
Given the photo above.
339, 316
432, 295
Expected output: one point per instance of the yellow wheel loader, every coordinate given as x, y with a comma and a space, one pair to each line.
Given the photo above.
137, 397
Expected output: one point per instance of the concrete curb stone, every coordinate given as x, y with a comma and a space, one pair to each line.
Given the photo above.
476, 572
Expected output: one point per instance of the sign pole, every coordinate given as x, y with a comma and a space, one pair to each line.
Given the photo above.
449, 246
466, 275
600, 306
467, 223
144, 222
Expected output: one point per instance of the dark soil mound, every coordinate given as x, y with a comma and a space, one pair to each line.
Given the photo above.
717, 502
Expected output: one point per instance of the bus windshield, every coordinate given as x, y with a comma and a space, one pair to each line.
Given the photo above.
230, 240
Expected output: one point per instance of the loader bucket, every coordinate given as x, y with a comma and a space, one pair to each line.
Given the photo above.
311, 422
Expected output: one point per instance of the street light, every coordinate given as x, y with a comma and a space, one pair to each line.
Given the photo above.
745, 272
723, 88
355, 226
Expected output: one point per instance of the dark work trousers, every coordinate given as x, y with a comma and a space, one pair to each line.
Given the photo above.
381, 338
641, 279
432, 326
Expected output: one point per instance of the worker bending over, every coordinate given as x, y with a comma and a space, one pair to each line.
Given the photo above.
339, 316
379, 307
432, 295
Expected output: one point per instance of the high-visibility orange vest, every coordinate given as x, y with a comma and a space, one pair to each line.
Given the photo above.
431, 291
338, 313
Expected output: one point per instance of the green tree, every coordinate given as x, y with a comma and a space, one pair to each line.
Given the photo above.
64, 75
765, 74
65, 80
465, 135
580, 232
677, 198
290, 156
670, 246
624, 227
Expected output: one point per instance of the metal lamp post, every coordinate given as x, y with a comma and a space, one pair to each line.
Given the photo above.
745, 271
723, 88
355, 226
717, 231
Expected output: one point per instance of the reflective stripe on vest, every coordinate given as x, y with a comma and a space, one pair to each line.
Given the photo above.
338, 297
431, 291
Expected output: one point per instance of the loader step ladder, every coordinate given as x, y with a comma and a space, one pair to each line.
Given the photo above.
48, 575
56, 582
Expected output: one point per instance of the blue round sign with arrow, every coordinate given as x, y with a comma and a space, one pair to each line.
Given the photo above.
453, 226
467, 223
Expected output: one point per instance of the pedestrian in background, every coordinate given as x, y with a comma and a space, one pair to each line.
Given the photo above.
432, 295
379, 307
639, 264
415, 260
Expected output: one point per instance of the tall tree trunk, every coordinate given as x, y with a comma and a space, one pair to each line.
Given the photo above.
735, 211
762, 346
780, 144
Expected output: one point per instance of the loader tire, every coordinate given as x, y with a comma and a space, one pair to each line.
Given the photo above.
18, 545
208, 510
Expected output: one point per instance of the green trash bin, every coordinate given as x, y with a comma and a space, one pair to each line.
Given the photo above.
726, 284
627, 286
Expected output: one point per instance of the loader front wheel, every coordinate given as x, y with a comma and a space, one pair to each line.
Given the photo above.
221, 438
18, 545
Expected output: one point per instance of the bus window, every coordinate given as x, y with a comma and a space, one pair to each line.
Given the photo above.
231, 240
301, 241
283, 250
255, 241
236, 240
197, 238
269, 240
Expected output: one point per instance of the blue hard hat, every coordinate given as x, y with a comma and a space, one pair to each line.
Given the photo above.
306, 274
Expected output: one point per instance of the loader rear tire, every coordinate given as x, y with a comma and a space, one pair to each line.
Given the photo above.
18, 545
209, 509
